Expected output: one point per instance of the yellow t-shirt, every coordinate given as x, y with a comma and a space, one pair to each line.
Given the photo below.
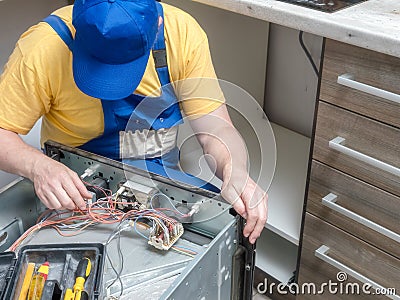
38, 80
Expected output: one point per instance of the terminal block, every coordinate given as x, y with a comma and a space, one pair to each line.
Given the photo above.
162, 240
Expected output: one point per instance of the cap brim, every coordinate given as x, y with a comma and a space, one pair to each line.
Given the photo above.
106, 81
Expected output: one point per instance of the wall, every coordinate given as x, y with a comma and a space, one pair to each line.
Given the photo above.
15, 17
238, 45
291, 82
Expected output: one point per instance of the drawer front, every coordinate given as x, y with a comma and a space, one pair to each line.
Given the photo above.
362, 75
361, 209
370, 151
348, 252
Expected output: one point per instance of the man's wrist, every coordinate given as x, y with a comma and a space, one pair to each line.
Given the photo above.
33, 164
231, 169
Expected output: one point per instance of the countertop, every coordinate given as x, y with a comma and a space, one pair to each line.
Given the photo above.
374, 24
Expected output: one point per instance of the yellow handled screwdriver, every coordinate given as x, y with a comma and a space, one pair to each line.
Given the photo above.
30, 269
81, 274
37, 282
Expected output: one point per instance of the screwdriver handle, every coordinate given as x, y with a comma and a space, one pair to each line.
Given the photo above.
83, 269
69, 295
82, 295
81, 274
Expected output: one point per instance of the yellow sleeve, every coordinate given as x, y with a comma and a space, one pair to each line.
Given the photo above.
199, 91
23, 98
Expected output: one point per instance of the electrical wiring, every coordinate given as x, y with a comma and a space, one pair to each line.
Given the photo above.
182, 252
308, 54
117, 273
194, 209
164, 230
121, 257
167, 209
159, 229
138, 232
187, 249
117, 232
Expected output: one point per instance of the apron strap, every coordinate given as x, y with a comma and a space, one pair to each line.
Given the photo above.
159, 51
61, 28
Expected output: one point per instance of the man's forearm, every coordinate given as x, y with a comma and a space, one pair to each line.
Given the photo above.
16, 156
56, 185
227, 149
223, 143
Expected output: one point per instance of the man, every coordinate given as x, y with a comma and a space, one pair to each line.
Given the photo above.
87, 70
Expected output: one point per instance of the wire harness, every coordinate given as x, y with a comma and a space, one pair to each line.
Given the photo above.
163, 230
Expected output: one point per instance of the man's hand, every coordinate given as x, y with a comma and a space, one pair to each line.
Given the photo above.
223, 143
248, 199
57, 186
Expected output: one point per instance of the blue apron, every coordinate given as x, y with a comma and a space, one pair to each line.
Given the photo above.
137, 112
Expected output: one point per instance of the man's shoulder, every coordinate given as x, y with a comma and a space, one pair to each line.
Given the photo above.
168, 8
65, 13
178, 16
41, 40
181, 23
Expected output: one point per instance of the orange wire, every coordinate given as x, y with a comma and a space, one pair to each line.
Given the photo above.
94, 213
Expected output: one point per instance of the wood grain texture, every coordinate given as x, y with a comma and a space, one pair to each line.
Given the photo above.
359, 197
368, 67
354, 253
367, 136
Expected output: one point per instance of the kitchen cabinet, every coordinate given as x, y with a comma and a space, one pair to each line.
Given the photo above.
325, 247
352, 218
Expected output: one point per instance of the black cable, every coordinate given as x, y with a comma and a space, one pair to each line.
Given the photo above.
308, 53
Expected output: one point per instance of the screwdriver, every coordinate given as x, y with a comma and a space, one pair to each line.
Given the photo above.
81, 274
27, 281
37, 282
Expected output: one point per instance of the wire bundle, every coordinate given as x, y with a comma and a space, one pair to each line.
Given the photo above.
105, 211
113, 209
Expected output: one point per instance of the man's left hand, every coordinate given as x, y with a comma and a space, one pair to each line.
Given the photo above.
249, 200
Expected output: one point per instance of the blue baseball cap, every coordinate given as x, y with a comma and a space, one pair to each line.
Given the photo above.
112, 45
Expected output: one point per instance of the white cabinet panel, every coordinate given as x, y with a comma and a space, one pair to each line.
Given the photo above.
238, 45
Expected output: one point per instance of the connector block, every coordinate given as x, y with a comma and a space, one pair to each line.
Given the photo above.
163, 241
142, 193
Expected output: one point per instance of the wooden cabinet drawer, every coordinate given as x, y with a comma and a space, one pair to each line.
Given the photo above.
371, 72
366, 142
361, 209
346, 253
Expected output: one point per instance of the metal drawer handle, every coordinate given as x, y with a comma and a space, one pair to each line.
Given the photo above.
348, 80
321, 253
330, 201
336, 144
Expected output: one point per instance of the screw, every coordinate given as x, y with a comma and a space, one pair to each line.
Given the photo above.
247, 267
